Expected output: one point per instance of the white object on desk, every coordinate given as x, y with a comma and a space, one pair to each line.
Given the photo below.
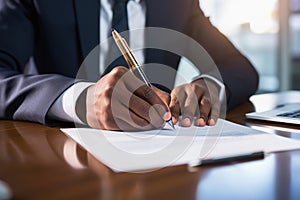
288, 113
148, 150
5, 192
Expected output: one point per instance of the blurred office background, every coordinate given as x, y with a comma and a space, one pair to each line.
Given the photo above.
267, 32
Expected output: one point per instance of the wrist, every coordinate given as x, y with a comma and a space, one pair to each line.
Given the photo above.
80, 106
212, 84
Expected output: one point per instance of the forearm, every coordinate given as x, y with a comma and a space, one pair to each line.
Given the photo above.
238, 74
29, 97
240, 79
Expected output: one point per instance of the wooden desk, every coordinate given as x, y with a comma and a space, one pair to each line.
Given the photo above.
40, 162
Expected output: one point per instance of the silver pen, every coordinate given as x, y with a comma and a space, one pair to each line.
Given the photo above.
132, 62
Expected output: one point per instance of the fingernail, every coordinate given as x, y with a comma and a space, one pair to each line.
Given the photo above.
212, 122
174, 120
167, 116
186, 122
200, 122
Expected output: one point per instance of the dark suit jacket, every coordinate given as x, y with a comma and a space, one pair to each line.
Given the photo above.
60, 34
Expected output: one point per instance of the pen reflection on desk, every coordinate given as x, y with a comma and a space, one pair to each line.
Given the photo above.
132, 62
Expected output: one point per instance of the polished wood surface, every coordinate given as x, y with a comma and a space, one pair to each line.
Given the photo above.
39, 162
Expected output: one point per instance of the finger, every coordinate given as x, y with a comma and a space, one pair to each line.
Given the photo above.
147, 93
178, 96
164, 96
144, 110
174, 108
135, 122
215, 113
125, 120
199, 89
132, 123
153, 99
189, 109
205, 109
213, 92
125, 126
137, 106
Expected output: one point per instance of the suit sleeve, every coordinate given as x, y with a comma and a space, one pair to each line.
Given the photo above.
23, 97
238, 74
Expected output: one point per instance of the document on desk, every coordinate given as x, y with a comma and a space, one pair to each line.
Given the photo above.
149, 150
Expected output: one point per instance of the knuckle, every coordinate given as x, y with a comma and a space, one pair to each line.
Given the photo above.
206, 100
107, 103
174, 92
100, 114
195, 87
108, 91
118, 72
199, 86
174, 100
187, 113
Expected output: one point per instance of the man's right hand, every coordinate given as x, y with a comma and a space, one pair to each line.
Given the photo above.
120, 101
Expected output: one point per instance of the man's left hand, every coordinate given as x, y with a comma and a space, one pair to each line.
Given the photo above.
198, 99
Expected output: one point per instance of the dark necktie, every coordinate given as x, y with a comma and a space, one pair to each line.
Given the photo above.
119, 23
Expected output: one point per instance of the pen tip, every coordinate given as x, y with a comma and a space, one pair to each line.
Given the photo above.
171, 124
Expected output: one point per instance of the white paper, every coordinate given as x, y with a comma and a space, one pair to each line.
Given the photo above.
149, 150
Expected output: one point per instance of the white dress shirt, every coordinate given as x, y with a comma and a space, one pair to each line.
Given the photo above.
64, 107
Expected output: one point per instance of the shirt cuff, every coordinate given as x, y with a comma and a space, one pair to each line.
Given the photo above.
218, 82
63, 108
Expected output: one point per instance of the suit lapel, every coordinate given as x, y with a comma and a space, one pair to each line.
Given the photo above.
87, 16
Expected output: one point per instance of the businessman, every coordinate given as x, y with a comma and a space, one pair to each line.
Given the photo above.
58, 35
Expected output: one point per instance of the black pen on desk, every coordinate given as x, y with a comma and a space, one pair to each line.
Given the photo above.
132, 62
241, 157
